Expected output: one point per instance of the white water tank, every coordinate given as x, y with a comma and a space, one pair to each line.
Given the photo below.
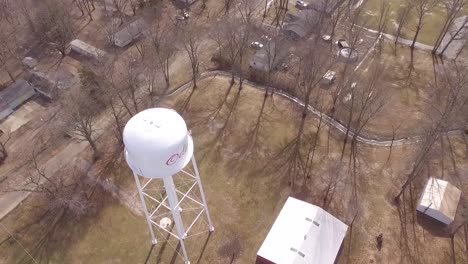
157, 143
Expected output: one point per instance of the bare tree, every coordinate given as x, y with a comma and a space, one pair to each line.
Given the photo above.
232, 36
65, 196
6, 11
446, 110
85, 7
422, 7
191, 43
110, 29
383, 17
79, 117
336, 18
3, 150
120, 6
227, 5
459, 34
111, 95
452, 9
315, 61
276, 52
162, 46
53, 24
7, 51
402, 19
247, 10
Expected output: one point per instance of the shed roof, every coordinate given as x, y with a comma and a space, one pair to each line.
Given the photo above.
441, 196
303, 233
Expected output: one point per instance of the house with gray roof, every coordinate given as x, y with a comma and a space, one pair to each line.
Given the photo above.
325, 6
301, 24
263, 57
13, 96
269, 57
129, 33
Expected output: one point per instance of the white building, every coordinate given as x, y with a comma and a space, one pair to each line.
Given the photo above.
85, 49
302, 233
439, 200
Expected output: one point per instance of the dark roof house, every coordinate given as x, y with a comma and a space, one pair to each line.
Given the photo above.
301, 24
13, 96
295, 31
270, 56
129, 33
263, 58
325, 6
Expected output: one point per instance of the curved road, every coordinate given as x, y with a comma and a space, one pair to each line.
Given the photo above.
326, 118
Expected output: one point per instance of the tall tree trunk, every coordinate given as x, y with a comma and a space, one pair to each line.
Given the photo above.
454, 36
418, 29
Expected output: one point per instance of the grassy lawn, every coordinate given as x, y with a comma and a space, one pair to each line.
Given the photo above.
411, 96
433, 21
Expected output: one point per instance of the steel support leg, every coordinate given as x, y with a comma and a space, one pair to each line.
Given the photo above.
145, 209
173, 203
200, 186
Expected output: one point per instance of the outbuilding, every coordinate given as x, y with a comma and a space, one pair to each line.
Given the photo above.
302, 233
439, 200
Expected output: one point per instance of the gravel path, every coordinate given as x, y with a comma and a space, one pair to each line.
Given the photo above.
337, 125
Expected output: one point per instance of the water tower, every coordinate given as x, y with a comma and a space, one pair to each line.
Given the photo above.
158, 146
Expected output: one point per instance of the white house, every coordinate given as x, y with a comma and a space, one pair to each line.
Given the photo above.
302, 233
439, 200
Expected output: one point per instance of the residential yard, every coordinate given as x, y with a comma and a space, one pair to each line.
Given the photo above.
433, 21
410, 94
246, 187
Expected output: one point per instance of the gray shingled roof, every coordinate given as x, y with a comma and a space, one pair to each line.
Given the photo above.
13, 96
129, 33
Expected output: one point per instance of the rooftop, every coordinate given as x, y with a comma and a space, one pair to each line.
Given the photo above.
303, 233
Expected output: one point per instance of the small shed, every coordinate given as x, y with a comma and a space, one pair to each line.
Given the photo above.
129, 33
329, 77
439, 200
302, 233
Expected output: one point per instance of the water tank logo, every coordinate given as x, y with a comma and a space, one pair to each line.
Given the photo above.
174, 158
